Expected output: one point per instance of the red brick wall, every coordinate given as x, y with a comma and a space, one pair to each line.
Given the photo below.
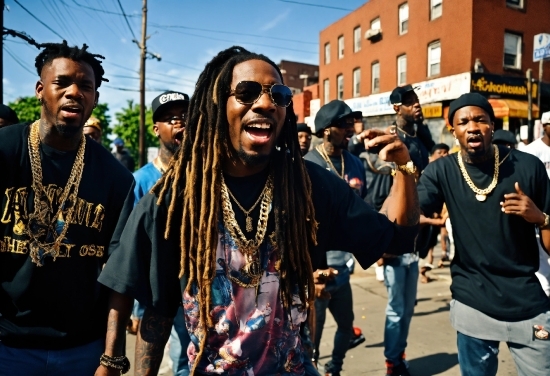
300, 102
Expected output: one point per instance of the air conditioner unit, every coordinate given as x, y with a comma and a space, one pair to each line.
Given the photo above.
373, 34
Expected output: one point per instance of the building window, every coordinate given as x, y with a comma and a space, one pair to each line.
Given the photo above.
340, 47
326, 90
327, 53
403, 18
375, 24
356, 82
340, 80
512, 50
357, 39
434, 59
436, 9
401, 70
375, 69
515, 3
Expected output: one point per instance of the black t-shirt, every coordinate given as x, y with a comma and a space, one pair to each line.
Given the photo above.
496, 255
59, 304
146, 266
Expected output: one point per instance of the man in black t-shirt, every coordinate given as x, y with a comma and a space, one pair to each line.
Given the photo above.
496, 197
123, 155
237, 225
62, 197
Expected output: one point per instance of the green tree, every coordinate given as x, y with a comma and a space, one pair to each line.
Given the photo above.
127, 128
28, 110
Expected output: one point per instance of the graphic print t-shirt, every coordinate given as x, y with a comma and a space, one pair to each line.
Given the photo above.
46, 306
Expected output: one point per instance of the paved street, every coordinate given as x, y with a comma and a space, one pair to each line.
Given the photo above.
432, 340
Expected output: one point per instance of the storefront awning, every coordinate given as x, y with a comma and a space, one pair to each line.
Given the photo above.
512, 108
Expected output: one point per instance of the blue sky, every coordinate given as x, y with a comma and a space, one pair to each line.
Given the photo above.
186, 33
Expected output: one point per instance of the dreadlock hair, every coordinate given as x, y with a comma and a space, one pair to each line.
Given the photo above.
53, 51
192, 185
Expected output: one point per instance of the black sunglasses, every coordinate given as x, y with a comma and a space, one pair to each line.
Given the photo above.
248, 92
344, 123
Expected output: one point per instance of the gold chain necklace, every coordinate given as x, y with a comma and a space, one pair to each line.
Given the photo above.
481, 194
405, 133
252, 269
159, 165
39, 226
248, 219
321, 149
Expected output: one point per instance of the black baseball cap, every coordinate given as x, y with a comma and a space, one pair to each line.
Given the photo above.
396, 96
165, 98
303, 127
470, 99
8, 114
333, 111
504, 137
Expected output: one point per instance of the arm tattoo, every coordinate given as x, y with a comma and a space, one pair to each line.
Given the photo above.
153, 333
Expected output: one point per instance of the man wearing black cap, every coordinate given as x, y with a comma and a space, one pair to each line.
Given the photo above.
304, 137
7, 116
169, 117
496, 198
504, 137
401, 272
334, 123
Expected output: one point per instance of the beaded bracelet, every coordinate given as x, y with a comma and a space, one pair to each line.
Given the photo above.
120, 363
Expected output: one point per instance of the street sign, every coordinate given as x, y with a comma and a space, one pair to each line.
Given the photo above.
541, 47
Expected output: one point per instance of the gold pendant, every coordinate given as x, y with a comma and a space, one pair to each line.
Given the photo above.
481, 198
249, 227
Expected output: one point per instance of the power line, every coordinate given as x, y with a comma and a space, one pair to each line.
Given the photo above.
104, 11
126, 18
181, 65
229, 32
314, 5
154, 79
129, 89
16, 59
36, 18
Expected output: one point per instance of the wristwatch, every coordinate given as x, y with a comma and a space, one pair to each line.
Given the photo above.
546, 221
408, 168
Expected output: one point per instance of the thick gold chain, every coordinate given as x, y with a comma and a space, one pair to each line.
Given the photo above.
248, 247
477, 191
321, 149
248, 218
38, 225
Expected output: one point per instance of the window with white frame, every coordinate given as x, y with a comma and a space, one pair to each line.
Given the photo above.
340, 82
401, 70
375, 73
357, 39
327, 53
375, 24
340, 47
403, 18
356, 82
512, 50
436, 9
515, 3
326, 91
434, 59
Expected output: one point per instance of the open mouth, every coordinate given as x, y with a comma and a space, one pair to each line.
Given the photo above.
259, 132
475, 142
71, 111
178, 137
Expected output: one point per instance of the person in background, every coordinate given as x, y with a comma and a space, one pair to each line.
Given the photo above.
92, 128
304, 137
505, 138
123, 155
7, 116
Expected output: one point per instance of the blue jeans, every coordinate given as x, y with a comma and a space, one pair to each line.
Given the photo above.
179, 341
81, 360
401, 280
340, 306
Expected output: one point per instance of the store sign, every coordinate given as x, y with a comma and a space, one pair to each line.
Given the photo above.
501, 86
444, 88
373, 105
541, 47
432, 110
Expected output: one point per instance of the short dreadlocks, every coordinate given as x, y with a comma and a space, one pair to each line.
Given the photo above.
192, 185
53, 51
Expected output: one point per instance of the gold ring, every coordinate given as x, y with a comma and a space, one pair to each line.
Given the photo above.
393, 129
323, 274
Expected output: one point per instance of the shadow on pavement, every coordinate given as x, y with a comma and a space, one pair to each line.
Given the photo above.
440, 309
379, 344
432, 364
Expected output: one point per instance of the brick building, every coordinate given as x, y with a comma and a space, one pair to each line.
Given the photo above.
445, 47
297, 75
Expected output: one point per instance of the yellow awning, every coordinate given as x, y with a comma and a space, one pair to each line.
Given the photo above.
512, 108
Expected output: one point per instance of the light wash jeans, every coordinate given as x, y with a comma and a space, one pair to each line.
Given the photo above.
81, 360
401, 280
179, 341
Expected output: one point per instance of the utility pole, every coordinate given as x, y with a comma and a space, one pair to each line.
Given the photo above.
529, 105
143, 56
2, 53
541, 61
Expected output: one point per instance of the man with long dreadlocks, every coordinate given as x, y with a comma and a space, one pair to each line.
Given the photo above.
62, 196
238, 223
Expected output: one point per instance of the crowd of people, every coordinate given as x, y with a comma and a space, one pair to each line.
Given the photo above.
235, 240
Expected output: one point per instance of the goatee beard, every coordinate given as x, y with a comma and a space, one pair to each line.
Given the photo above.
67, 131
252, 160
